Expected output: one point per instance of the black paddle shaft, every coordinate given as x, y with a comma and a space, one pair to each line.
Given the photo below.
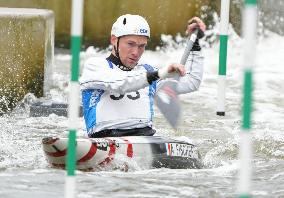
197, 33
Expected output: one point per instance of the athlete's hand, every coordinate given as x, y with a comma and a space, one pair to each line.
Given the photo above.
176, 68
172, 70
194, 23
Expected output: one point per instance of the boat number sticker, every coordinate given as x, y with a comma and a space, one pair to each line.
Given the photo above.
181, 150
104, 144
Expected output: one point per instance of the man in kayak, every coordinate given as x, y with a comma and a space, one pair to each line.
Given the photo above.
118, 91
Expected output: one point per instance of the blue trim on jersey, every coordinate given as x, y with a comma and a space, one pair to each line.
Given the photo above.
90, 99
152, 91
110, 64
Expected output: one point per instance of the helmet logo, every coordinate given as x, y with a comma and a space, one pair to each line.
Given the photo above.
143, 31
140, 31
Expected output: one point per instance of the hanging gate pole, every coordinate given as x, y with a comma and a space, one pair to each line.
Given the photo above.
249, 33
224, 26
73, 108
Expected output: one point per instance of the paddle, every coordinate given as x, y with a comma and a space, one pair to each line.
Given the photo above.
167, 98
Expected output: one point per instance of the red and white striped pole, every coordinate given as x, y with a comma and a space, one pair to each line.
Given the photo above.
74, 91
249, 33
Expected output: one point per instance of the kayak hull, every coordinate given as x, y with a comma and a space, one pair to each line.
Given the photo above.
145, 151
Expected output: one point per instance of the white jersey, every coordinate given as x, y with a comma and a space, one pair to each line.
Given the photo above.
117, 99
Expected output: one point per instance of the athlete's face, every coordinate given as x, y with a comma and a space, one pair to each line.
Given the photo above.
131, 48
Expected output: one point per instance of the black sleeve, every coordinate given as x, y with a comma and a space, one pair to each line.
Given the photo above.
152, 76
196, 46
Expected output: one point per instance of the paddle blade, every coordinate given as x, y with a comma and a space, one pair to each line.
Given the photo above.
168, 102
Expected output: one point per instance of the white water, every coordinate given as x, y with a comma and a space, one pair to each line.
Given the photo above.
25, 173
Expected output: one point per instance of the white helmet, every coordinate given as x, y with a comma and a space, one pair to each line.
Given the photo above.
130, 25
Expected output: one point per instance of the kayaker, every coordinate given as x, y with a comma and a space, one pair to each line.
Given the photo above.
118, 91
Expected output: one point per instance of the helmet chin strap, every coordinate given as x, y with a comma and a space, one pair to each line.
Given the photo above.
117, 52
116, 49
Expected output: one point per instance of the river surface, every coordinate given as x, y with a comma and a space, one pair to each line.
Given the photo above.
24, 172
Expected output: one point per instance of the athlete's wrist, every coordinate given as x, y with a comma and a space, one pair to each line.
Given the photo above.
163, 73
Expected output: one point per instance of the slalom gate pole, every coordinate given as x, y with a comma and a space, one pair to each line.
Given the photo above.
224, 25
73, 107
249, 33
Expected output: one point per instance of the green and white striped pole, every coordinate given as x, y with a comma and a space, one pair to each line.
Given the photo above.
249, 33
73, 109
224, 25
